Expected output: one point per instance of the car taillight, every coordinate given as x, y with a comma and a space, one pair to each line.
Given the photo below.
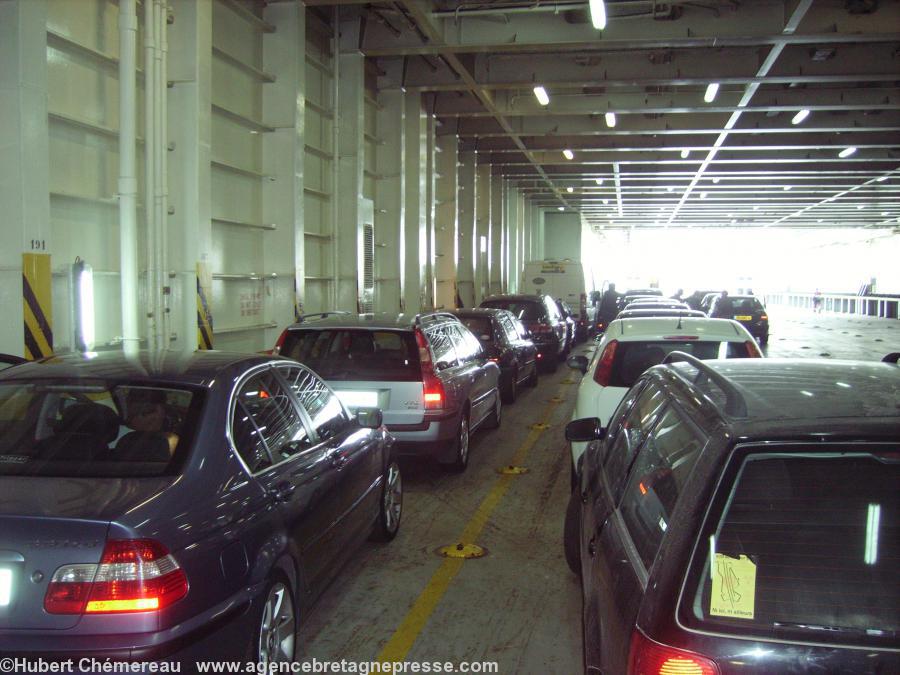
432, 387
280, 342
134, 575
603, 371
752, 349
541, 328
652, 658
763, 317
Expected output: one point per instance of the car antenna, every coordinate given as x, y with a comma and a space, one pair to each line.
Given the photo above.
678, 327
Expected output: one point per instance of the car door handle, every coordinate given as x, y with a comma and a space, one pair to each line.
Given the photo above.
282, 491
592, 547
338, 460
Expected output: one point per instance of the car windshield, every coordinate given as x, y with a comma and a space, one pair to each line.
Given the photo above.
805, 547
480, 327
524, 310
340, 354
96, 428
633, 358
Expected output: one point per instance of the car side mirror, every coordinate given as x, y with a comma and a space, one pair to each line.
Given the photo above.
586, 429
370, 418
578, 363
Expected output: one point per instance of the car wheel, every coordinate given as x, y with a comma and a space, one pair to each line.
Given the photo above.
572, 533
493, 420
391, 507
460, 445
532, 381
510, 387
275, 638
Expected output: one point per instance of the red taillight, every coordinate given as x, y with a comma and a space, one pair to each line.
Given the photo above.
763, 317
652, 658
432, 387
134, 575
280, 342
540, 328
752, 349
603, 371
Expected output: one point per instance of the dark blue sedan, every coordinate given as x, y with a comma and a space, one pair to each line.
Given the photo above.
179, 506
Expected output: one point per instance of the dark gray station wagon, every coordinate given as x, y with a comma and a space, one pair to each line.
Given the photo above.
179, 506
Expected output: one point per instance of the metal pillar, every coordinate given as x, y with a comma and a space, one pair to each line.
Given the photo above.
390, 196
497, 235
284, 108
483, 204
24, 161
415, 236
445, 224
468, 241
190, 100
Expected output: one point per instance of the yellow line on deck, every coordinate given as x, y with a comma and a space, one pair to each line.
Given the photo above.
406, 634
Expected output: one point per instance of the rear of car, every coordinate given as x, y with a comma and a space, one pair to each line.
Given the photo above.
631, 346
562, 279
750, 312
540, 315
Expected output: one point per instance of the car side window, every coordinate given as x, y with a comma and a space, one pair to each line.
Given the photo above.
657, 479
442, 346
634, 428
266, 426
325, 411
552, 311
508, 328
467, 345
521, 330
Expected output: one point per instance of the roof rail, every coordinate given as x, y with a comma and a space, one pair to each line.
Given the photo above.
893, 357
431, 317
735, 405
320, 315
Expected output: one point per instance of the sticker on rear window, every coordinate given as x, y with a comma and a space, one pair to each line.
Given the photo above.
733, 587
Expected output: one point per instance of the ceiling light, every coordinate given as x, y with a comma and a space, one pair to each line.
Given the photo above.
715, 181
860, 207
800, 116
541, 94
734, 222
703, 195
786, 188
610, 119
756, 208
669, 189
598, 14
685, 153
884, 213
560, 208
846, 152
570, 189
568, 154
882, 179
605, 202
819, 220
711, 90
598, 181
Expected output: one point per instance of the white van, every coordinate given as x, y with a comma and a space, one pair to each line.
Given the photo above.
560, 279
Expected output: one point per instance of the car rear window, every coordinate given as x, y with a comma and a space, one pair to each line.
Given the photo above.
524, 310
806, 546
633, 358
96, 428
355, 354
480, 327
746, 305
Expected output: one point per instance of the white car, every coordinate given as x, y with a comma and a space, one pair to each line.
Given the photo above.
630, 346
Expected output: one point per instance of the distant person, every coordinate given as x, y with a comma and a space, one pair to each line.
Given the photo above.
817, 301
609, 304
678, 294
694, 299
145, 410
723, 308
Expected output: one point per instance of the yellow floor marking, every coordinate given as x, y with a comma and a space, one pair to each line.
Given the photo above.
406, 634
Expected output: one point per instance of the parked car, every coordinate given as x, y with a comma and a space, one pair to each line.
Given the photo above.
541, 317
630, 346
634, 293
505, 342
561, 279
571, 325
748, 310
9, 360
647, 312
179, 507
662, 303
707, 301
741, 517
427, 373
695, 299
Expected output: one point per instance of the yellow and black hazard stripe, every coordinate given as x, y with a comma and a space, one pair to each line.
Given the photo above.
204, 315
37, 296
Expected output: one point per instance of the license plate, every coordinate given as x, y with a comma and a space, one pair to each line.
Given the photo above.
5, 587
744, 318
359, 399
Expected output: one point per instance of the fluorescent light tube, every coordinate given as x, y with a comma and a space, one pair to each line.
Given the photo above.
800, 116
570, 189
610, 119
711, 90
598, 181
568, 154
685, 153
541, 95
598, 14
846, 152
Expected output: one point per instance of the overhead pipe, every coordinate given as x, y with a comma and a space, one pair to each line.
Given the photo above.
128, 249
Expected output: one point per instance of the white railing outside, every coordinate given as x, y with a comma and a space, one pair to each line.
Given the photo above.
887, 307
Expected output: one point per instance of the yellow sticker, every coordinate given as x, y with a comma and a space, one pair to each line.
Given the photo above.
733, 587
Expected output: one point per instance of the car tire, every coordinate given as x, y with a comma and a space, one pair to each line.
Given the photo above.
390, 506
275, 638
460, 446
572, 533
510, 387
493, 420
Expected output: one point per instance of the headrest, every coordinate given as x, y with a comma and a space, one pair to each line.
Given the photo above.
142, 446
92, 419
